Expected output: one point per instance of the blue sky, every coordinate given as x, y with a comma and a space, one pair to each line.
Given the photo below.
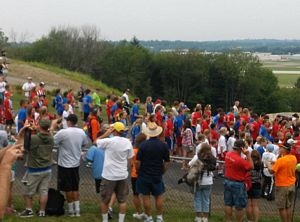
199, 20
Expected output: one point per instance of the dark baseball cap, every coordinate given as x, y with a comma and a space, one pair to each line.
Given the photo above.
286, 146
238, 144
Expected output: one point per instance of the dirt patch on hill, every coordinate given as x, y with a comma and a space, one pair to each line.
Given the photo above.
18, 73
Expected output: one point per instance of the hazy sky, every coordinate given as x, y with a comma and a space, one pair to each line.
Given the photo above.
199, 20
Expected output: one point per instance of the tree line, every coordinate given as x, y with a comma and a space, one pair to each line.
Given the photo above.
192, 77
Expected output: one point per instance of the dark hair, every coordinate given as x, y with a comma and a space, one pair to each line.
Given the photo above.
139, 139
57, 91
187, 124
255, 155
73, 119
23, 101
87, 91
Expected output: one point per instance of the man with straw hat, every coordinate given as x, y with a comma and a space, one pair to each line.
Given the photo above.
151, 163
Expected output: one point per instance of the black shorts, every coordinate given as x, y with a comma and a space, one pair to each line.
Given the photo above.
9, 122
85, 116
97, 185
133, 185
68, 179
255, 191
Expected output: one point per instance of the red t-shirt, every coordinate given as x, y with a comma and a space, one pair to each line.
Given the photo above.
7, 109
296, 151
159, 118
109, 104
214, 135
275, 130
204, 125
236, 168
196, 115
254, 130
245, 118
230, 117
169, 128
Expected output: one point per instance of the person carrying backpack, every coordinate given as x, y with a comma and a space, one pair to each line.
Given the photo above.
207, 155
39, 168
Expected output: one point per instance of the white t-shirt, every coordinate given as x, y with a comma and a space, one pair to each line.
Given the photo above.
230, 143
117, 152
64, 119
2, 87
256, 145
126, 97
144, 126
70, 142
222, 147
276, 150
268, 157
249, 150
206, 179
198, 130
27, 87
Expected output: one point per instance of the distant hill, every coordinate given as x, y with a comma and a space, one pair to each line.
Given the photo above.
257, 45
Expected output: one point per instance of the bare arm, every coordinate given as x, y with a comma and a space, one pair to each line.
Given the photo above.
9, 157
137, 165
249, 158
165, 166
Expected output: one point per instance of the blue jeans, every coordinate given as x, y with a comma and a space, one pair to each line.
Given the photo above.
235, 194
202, 198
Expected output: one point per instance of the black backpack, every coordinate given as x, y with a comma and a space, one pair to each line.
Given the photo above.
55, 204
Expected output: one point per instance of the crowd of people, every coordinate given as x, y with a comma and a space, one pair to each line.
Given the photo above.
257, 154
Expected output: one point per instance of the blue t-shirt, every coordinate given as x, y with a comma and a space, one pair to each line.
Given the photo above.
263, 131
59, 104
261, 150
86, 103
22, 115
134, 110
96, 156
149, 108
134, 132
178, 123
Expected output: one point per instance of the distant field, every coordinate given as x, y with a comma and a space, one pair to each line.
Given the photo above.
285, 79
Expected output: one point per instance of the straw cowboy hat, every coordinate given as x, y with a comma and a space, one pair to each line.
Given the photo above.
153, 130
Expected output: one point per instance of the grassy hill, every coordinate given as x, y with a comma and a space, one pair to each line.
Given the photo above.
54, 77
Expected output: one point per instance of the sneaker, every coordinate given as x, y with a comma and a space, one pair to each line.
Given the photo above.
77, 214
88, 165
26, 213
159, 220
71, 214
41, 214
138, 216
110, 214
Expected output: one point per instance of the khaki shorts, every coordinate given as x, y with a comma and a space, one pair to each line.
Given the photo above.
38, 183
284, 196
108, 187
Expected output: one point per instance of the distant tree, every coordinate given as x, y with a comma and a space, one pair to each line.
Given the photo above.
3, 39
297, 84
135, 42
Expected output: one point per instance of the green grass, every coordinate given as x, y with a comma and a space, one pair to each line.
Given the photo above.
85, 79
91, 213
284, 80
287, 80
